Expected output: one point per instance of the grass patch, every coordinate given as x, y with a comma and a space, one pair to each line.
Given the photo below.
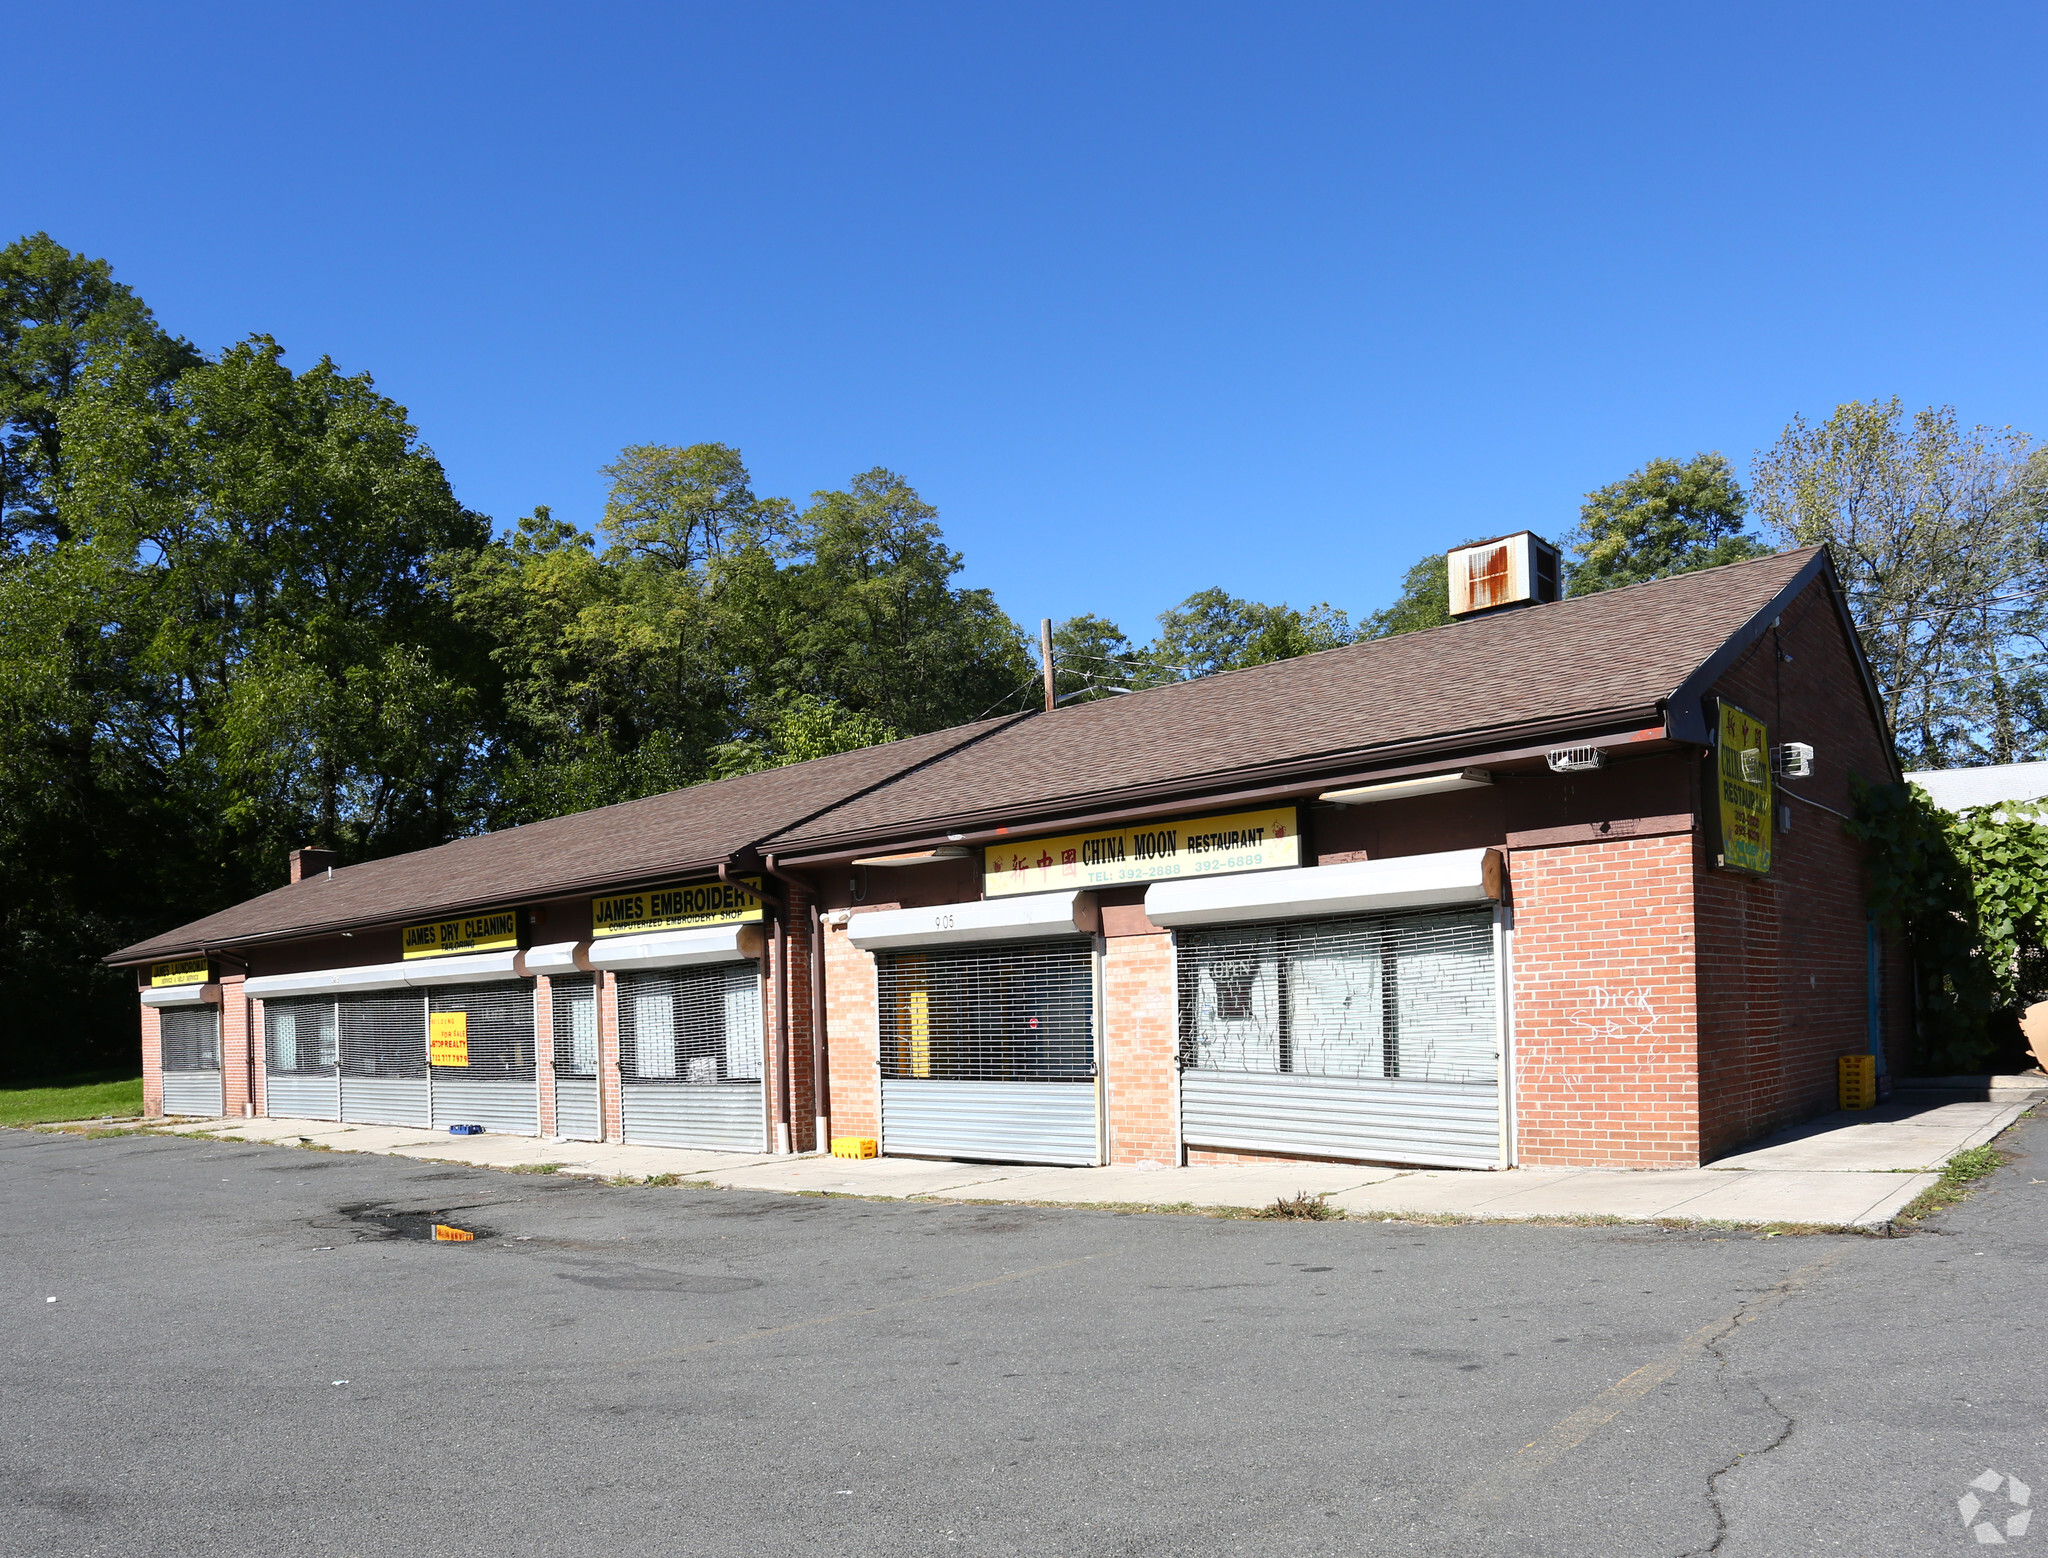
1959, 1176
1301, 1207
536, 1168
71, 1098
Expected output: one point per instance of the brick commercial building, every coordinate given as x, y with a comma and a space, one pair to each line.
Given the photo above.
1563, 882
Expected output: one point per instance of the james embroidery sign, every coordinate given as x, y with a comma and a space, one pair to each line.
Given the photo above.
692, 904
1147, 852
1743, 756
495, 930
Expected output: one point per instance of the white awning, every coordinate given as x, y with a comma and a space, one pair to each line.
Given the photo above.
477, 968
1403, 882
182, 995
676, 949
557, 957
987, 919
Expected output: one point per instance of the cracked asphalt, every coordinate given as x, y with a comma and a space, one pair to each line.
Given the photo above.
249, 1354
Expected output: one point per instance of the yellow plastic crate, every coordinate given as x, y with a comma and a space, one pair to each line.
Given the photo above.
855, 1147
1858, 1076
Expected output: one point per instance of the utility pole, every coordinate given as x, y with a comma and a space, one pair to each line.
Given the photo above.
1045, 657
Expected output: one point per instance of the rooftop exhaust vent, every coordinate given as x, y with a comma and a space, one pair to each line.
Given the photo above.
1517, 570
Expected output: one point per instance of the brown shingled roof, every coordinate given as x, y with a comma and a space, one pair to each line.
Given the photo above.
1584, 664
1580, 663
684, 830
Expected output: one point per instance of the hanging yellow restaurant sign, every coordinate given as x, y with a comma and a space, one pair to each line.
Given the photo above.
1743, 764
185, 971
1147, 852
448, 1038
686, 906
494, 930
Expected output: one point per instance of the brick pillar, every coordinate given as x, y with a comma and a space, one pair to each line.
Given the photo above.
262, 1066
1606, 1005
544, 1051
803, 1092
850, 1028
237, 1059
1138, 1045
608, 1053
152, 1061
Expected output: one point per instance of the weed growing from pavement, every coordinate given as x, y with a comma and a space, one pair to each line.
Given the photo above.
1959, 1176
1301, 1207
537, 1168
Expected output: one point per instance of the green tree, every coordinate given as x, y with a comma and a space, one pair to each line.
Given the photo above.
1940, 534
1213, 630
796, 728
1093, 659
65, 325
1664, 519
1424, 601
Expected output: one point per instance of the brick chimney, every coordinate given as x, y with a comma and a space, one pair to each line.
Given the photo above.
308, 861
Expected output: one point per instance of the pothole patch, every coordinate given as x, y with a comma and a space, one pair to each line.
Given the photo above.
442, 1226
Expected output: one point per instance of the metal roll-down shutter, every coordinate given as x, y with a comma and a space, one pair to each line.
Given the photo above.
690, 1057
495, 1086
384, 1058
578, 1115
988, 1052
301, 1054
191, 1059
1374, 1037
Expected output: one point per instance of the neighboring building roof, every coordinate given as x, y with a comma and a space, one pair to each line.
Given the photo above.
684, 830
1584, 665
1577, 664
1954, 789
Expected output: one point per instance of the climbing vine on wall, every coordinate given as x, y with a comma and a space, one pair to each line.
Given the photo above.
1970, 891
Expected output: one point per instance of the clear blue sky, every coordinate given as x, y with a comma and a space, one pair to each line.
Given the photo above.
1144, 298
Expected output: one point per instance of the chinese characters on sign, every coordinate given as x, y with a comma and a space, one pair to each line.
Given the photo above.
1148, 852
1743, 768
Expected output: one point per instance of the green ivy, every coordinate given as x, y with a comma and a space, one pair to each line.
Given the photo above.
1970, 891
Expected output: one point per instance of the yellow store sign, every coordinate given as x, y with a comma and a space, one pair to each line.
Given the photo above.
686, 906
185, 971
448, 1038
494, 930
1743, 764
1146, 852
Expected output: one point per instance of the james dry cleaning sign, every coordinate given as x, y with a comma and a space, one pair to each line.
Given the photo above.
1146, 852
494, 930
1743, 767
185, 971
686, 906
448, 1038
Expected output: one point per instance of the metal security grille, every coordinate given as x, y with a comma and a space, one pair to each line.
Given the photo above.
1408, 996
383, 1035
1021, 1012
575, 1025
191, 1038
691, 1025
299, 1038
498, 1027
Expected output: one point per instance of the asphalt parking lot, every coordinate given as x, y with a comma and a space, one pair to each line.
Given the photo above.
247, 1353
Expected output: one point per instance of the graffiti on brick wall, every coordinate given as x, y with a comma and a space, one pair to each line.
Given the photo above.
1605, 1019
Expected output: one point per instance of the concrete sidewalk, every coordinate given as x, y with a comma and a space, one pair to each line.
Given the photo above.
1857, 1170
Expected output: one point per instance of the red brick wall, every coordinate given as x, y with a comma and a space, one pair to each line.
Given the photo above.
152, 1062
1784, 961
1138, 1044
262, 1056
855, 1043
1605, 1004
237, 1042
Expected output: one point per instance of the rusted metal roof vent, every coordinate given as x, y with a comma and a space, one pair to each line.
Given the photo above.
1517, 570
